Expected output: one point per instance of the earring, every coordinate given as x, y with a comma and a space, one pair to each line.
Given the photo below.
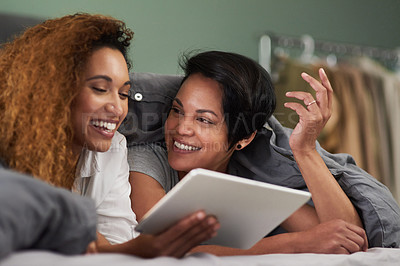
238, 146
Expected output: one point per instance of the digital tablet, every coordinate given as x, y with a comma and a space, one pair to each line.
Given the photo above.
247, 210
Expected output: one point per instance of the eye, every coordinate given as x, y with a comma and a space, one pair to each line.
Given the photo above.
125, 91
176, 110
205, 121
98, 89
124, 95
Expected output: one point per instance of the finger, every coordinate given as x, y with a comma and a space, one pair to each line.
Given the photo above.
306, 97
169, 236
181, 227
298, 108
196, 237
188, 222
321, 92
361, 236
365, 247
311, 121
352, 243
342, 250
91, 248
326, 83
193, 237
361, 233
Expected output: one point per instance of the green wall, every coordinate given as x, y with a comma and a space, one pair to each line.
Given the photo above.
166, 28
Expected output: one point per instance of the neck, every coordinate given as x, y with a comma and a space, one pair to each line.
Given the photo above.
222, 169
222, 166
181, 174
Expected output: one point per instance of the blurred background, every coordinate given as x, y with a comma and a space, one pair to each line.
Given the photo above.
166, 28
356, 41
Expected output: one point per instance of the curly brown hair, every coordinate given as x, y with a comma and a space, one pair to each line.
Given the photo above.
40, 75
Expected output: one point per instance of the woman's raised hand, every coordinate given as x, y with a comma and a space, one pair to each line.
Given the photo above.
314, 115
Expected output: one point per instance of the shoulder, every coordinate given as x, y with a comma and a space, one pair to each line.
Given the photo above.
152, 160
152, 153
156, 148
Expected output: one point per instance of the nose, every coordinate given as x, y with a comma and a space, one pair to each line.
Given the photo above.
115, 105
185, 126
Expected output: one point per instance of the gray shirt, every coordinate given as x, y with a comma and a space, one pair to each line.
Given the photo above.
152, 159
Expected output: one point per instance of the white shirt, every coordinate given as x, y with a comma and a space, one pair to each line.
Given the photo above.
104, 176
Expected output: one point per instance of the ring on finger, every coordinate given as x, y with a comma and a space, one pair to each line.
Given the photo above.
310, 103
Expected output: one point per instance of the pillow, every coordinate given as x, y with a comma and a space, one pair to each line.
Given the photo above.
35, 215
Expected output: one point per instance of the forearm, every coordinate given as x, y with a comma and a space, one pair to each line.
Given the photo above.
103, 246
282, 243
123, 248
329, 199
131, 247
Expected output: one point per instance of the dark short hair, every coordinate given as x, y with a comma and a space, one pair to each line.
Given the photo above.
248, 94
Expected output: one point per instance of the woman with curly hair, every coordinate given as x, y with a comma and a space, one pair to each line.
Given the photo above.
63, 95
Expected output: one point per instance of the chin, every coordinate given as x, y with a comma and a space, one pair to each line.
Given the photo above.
180, 165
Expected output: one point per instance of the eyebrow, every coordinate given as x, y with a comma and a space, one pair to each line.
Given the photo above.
201, 111
107, 78
128, 83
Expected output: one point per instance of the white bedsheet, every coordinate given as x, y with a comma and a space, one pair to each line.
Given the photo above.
373, 257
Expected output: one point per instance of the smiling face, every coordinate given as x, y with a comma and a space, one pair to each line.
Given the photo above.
195, 131
102, 103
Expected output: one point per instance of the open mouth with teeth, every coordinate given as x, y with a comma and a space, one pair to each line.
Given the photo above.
185, 147
103, 125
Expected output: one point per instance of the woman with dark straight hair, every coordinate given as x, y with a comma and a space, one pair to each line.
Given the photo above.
223, 101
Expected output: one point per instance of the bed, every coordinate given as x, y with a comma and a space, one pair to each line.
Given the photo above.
373, 257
